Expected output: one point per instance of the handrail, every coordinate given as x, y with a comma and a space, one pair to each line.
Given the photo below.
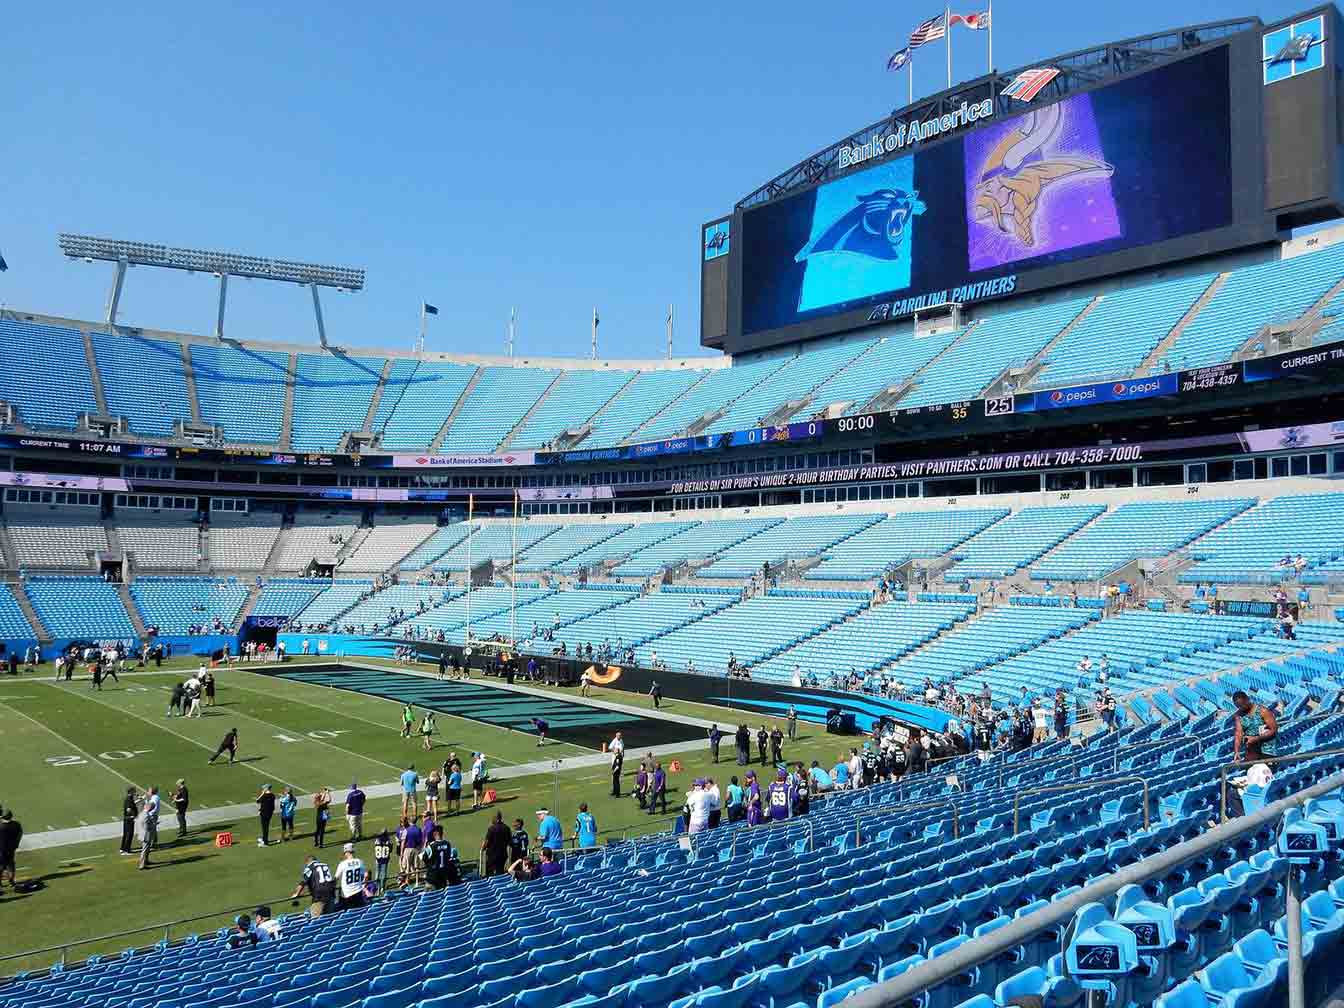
791, 821
929, 974
870, 812
1271, 760
1084, 783
1151, 743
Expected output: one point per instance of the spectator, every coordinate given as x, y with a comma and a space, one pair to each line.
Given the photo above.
480, 773
264, 926
519, 842
791, 718
265, 809
762, 740
819, 780
1061, 715
11, 835
658, 789
742, 741
549, 866
321, 815
130, 810
242, 935
698, 803
382, 856
411, 838
1254, 730
776, 745
149, 826
317, 879
641, 791
753, 799
715, 737
350, 877
354, 811
181, 801
1040, 722
410, 781
289, 803
617, 750
441, 865
495, 846
585, 827
432, 794
549, 831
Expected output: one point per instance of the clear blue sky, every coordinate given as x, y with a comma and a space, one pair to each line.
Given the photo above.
549, 156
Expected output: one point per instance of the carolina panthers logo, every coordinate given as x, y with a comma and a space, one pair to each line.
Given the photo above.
717, 240
875, 228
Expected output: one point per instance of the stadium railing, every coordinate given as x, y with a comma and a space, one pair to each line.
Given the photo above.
1081, 785
932, 972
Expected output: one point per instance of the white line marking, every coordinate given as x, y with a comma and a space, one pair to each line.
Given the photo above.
72, 746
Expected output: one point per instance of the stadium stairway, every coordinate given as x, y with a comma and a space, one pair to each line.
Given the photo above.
99, 395
376, 399
190, 378
1019, 377
132, 610
1147, 365
44, 636
287, 420
467, 391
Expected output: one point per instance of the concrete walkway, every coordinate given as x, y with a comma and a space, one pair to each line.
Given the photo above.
202, 819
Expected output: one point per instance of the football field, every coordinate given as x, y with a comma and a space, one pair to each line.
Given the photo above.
70, 752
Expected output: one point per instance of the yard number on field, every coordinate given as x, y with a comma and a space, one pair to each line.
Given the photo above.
113, 754
320, 734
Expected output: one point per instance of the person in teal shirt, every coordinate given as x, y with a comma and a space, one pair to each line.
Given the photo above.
549, 831
736, 808
585, 827
288, 803
1254, 730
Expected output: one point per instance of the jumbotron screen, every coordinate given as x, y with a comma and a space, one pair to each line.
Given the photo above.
1143, 160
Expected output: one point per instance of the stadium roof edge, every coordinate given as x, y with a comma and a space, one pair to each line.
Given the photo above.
1122, 57
478, 360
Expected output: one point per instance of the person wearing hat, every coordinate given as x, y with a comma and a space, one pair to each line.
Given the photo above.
549, 831
181, 801
351, 876
130, 810
265, 810
264, 926
698, 803
753, 799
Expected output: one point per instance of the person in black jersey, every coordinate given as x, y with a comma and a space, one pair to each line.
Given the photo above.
228, 745
318, 880
441, 867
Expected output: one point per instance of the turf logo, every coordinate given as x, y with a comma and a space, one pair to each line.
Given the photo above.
605, 677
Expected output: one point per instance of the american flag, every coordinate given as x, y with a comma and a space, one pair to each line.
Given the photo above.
1027, 85
932, 29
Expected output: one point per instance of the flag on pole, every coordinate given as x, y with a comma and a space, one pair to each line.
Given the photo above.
975, 22
429, 309
1028, 84
899, 59
930, 31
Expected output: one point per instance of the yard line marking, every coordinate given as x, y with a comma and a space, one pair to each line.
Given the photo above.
329, 745
76, 748
77, 860
399, 704
188, 738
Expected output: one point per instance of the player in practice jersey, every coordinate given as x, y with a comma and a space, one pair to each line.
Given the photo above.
350, 878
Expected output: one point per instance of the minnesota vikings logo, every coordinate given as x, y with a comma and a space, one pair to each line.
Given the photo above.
1017, 171
875, 228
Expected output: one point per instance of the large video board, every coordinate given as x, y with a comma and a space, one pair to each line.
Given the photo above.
1161, 165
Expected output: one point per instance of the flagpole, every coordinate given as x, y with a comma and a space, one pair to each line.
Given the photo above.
910, 80
471, 509
991, 35
594, 333
420, 343
947, 34
513, 578
513, 321
669, 331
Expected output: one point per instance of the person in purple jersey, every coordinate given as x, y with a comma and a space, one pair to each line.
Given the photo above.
753, 799
779, 797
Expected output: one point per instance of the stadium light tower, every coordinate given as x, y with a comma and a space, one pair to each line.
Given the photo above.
221, 264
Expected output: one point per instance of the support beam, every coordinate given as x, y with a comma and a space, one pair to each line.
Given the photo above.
223, 299
114, 295
317, 314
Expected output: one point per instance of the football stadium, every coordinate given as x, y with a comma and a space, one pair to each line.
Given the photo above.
962, 626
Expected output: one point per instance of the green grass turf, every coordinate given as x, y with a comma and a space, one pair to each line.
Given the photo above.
90, 890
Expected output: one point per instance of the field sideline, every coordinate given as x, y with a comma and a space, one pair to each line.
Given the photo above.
73, 751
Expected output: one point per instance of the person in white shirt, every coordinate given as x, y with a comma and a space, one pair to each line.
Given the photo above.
1084, 665
1040, 722
194, 694
350, 878
700, 803
584, 682
266, 927
855, 770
